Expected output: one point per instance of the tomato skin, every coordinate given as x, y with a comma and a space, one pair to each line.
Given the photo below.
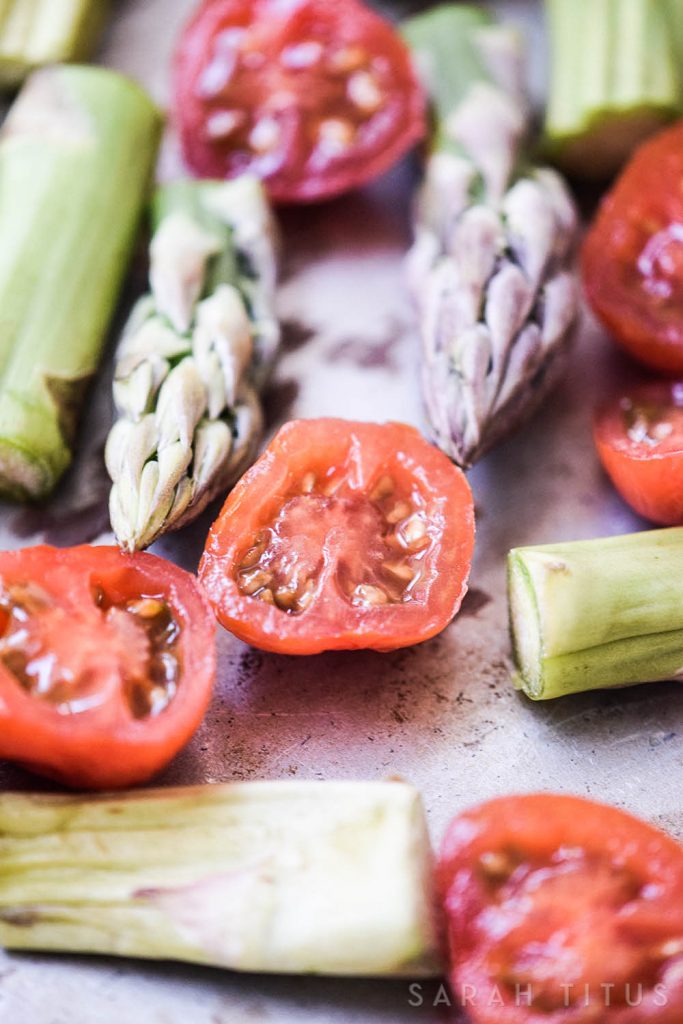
105, 747
299, 170
632, 259
365, 451
494, 936
648, 475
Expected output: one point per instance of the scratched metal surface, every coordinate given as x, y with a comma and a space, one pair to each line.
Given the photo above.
443, 714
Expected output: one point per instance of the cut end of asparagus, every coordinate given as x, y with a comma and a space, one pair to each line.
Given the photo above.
611, 86
34, 33
596, 614
285, 877
76, 156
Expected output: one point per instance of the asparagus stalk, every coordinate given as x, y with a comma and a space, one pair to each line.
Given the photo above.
38, 32
596, 614
614, 80
291, 877
76, 154
191, 358
494, 239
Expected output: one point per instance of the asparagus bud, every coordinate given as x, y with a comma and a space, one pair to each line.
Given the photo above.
76, 156
291, 877
494, 240
594, 614
191, 358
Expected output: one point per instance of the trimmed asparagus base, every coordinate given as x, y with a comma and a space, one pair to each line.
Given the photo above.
38, 32
614, 81
331, 878
76, 156
597, 614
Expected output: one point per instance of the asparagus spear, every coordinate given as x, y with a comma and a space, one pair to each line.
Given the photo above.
291, 877
38, 32
594, 614
491, 262
614, 80
191, 357
76, 154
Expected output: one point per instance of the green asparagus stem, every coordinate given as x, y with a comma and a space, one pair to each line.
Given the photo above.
34, 33
191, 358
76, 155
290, 877
614, 80
594, 614
491, 263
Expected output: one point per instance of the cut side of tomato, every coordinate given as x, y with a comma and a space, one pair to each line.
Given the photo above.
633, 255
563, 910
342, 535
313, 97
107, 662
639, 438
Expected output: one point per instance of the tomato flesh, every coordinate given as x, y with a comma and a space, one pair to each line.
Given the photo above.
633, 255
343, 535
639, 438
565, 911
101, 678
313, 97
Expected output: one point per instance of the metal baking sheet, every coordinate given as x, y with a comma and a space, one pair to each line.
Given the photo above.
443, 714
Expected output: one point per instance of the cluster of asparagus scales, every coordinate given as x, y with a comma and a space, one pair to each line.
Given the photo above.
491, 262
192, 357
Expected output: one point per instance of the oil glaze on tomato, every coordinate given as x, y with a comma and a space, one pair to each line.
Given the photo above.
342, 535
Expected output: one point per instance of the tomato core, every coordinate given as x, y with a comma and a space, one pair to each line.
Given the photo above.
46, 649
378, 544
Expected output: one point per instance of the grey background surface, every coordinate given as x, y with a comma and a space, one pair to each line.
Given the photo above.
444, 714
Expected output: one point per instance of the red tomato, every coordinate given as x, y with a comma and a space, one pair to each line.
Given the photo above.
106, 663
639, 437
315, 97
342, 535
563, 911
633, 255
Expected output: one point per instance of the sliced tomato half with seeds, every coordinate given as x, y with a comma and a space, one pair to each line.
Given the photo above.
315, 97
107, 662
342, 535
563, 911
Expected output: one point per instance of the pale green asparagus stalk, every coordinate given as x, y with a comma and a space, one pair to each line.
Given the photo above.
491, 266
34, 33
289, 877
594, 614
614, 79
76, 157
191, 358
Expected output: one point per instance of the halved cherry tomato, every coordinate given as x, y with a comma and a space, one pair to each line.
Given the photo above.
107, 662
633, 255
343, 535
563, 911
639, 438
315, 97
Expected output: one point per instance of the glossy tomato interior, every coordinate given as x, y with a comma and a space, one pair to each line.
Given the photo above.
106, 662
563, 910
313, 97
639, 438
342, 535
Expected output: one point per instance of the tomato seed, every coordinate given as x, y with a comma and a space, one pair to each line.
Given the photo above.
367, 594
250, 582
364, 92
251, 558
400, 511
146, 607
401, 571
384, 488
223, 123
308, 483
413, 533
348, 59
301, 55
265, 136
